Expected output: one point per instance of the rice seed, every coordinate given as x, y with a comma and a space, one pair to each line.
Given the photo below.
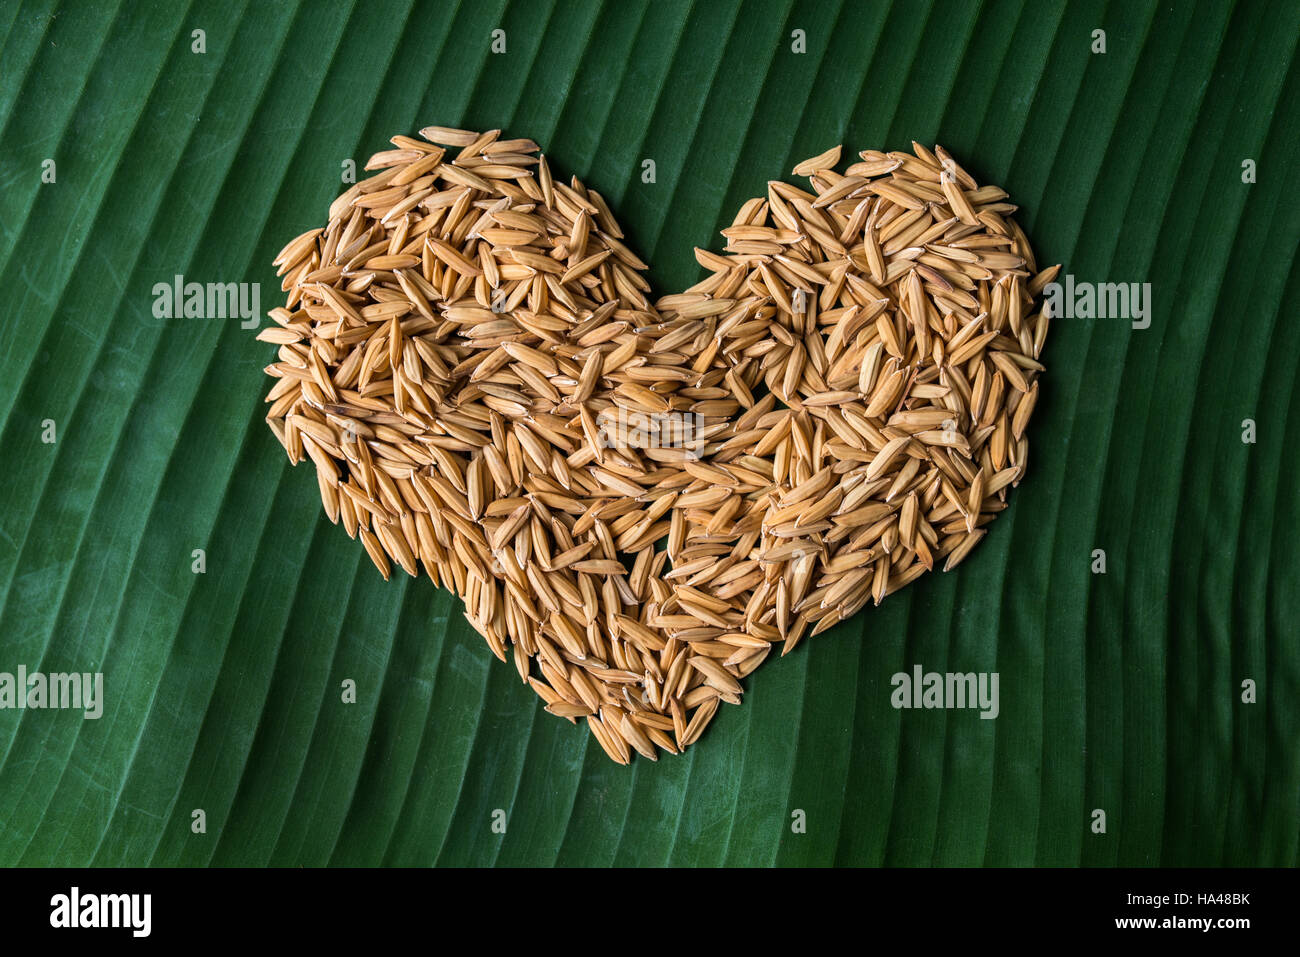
468, 355
822, 161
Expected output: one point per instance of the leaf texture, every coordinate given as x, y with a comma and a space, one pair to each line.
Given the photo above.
1120, 692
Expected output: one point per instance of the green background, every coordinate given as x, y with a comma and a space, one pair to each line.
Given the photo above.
1119, 691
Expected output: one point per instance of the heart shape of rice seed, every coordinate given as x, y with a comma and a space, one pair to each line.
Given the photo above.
469, 356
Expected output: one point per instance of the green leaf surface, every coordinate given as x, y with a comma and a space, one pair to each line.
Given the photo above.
1120, 692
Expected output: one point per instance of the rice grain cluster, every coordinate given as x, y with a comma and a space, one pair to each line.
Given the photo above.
469, 356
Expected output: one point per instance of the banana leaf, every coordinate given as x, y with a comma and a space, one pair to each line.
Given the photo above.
152, 531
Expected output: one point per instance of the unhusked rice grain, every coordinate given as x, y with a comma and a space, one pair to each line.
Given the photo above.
469, 355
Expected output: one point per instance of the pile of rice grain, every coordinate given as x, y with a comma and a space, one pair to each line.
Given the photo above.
469, 357
896, 313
